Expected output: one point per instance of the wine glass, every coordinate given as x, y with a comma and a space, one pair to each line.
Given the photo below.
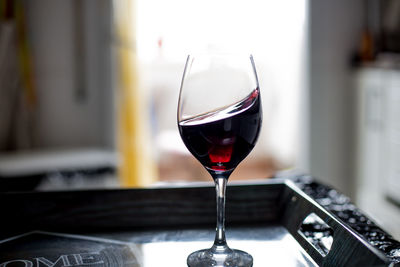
219, 120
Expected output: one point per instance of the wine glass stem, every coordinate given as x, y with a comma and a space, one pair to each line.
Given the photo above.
220, 187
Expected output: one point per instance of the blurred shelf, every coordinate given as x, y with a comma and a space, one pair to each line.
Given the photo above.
21, 171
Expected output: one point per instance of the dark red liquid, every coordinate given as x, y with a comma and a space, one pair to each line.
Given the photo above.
220, 140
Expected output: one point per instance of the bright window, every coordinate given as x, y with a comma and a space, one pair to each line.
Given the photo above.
273, 31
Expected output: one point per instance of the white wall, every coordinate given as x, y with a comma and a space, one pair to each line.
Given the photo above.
72, 72
334, 34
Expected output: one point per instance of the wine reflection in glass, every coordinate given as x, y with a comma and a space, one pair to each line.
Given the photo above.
219, 120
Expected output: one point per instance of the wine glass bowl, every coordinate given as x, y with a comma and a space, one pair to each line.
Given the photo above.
219, 120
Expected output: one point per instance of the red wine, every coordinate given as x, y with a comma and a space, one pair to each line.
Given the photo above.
221, 139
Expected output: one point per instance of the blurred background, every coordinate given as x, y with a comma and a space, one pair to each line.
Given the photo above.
89, 91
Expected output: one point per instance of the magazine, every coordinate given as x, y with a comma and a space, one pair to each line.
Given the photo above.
56, 249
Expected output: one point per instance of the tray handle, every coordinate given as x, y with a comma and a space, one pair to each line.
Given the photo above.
347, 249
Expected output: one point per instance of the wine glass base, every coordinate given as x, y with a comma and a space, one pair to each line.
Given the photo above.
231, 258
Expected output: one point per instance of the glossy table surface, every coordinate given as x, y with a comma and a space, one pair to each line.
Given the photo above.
270, 245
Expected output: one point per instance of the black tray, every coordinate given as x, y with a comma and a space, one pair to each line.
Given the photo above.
166, 224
